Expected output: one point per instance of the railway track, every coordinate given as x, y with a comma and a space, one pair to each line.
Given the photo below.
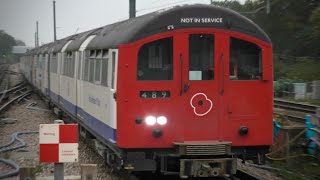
3, 69
241, 175
293, 108
7, 96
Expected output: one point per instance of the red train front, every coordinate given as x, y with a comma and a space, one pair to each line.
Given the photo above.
199, 80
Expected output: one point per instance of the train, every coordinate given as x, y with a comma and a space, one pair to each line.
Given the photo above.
185, 90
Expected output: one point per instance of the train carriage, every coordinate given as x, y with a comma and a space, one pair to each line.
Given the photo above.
184, 90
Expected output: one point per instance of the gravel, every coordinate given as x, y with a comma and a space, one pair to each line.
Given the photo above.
29, 120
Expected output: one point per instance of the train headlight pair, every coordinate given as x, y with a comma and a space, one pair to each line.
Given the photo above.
151, 120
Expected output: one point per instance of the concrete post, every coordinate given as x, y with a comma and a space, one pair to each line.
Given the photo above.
88, 172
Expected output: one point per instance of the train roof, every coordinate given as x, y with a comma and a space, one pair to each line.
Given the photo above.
180, 17
44, 49
76, 43
58, 45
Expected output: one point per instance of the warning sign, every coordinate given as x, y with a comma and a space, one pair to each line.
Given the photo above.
58, 143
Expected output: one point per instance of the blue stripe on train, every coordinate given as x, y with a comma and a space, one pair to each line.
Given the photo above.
99, 127
54, 97
71, 108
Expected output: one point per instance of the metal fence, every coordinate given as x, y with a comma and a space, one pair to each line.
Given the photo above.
307, 90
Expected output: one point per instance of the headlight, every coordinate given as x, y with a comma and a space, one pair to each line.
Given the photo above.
162, 120
151, 120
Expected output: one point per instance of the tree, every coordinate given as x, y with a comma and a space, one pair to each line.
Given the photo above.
293, 26
20, 43
6, 43
294, 29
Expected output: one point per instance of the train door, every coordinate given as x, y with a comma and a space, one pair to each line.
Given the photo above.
200, 85
247, 101
112, 81
48, 68
77, 61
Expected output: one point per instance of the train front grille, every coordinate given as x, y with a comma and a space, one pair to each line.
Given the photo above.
203, 148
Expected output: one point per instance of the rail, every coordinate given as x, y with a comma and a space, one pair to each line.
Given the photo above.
242, 175
294, 107
14, 99
3, 69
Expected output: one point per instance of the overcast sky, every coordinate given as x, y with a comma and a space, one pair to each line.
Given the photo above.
18, 17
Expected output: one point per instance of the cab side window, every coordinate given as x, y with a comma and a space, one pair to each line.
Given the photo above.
155, 60
245, 60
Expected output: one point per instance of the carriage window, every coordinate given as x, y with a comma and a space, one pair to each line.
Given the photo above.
79, 65
65, 64
85, 66
91, 70
70, 72
104, 78
68, 66
155, 60
201, 57
97, 71
245, 60
113, 69
53, 63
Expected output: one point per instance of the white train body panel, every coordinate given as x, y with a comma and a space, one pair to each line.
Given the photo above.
54, 87
98, 106
68, 88
55, 80
39, 72
34, 71
68, 93
45, 82
79, 80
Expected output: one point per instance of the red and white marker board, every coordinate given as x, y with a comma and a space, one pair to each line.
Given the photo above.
58, 143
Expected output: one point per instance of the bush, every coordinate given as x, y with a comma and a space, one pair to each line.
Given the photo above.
281, 86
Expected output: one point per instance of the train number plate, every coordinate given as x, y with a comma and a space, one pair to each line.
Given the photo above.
154, 94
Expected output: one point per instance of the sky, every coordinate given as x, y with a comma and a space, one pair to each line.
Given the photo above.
18, 17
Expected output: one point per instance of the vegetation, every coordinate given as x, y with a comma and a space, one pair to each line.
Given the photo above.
6, 43
294, 28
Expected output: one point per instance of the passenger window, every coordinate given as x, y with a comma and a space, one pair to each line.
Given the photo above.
104, 78
65, 64
70, 60
97, 71
79, 65
91, 70
86, 67
201, 57
113, 69
91, 65
53, 63
245, 60
97, 67
155, 60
